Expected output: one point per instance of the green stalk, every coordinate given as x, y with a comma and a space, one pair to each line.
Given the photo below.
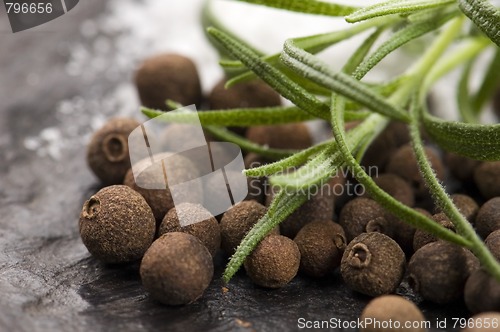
463, 227
428, 60
228, 136
387, 201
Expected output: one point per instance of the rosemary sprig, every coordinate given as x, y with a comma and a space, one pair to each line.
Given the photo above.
298, 75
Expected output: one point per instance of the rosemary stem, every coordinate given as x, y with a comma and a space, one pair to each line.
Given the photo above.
464, 228
388, 202
428, 60
469, 50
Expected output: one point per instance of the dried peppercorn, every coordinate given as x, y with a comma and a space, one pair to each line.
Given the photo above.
176, 269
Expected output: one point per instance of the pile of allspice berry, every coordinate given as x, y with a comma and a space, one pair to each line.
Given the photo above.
374, 250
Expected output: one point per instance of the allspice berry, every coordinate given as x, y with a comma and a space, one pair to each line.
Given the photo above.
396, 187
286, 136
488, 217
421, 237
193, 219
392, 308
160, 200
462, 168
477, 322
238, 221
402, 232
274, 262
320, 206
254, 93
487, 178
404, 163
394, 136
360, 213
107, 152
168, 76
438, 271
373, 264
482, 292
176, 269
466, 205
493, 243
321, 246
256, 185
117, 225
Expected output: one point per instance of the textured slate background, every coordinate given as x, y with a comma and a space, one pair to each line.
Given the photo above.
48, 282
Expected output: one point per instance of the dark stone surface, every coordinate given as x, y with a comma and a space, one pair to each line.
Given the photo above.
48, 282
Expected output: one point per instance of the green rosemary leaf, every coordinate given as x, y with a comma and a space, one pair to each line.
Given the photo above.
463, 95
242, 117
228, 136
217, 132
272, 76
484, 15
489, 84
318, 169
315, 70
394, 7
283, 205
480, 142
359, 55
397, 40
295, 160
466, 50
306, 6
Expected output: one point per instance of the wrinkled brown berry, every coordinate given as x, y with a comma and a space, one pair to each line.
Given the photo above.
321, 247
392, 308
274, 262
488, 217
487, 178
197, 221
362, 215
402, 232
117, 225
462, 168
238, 221
493, 243
176, 269
421, 237
247, 94
243, 95
482, 292
160, 200
168, 76
404, 163
318, 207
378, 153
396, 187
466, 205
286, 136
255, 184
373, 264
107, 152
438, 271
